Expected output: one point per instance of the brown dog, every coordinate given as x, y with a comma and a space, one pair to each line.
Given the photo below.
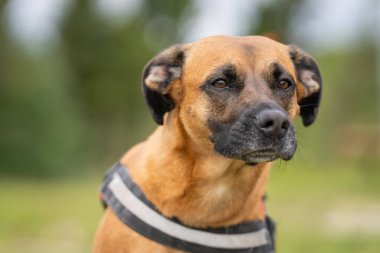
226, 106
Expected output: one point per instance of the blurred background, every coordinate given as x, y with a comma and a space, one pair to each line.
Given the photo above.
70, 106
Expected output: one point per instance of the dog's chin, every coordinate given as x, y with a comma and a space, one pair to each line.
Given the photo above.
256, 157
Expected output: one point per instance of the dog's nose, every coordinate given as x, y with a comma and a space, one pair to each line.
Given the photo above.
273, 123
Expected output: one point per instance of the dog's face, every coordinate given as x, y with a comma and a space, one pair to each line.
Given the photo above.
237, 96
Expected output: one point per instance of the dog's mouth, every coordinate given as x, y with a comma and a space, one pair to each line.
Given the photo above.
261, 156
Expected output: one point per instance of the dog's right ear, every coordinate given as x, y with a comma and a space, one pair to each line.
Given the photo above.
158, 75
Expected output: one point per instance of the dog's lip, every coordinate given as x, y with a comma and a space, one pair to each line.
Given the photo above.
260, 156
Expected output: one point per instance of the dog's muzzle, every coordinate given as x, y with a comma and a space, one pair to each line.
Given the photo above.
261, 134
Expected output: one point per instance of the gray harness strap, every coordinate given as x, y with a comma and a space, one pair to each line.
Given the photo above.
131, 206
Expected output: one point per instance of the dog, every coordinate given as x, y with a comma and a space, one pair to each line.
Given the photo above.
225, 107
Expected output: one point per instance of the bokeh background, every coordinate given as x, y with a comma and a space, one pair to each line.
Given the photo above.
70, 106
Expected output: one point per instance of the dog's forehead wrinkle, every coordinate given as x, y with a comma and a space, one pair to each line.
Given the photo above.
255, 90
225, 69
278, 69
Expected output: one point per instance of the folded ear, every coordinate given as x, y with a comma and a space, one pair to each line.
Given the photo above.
158, 75
310, 84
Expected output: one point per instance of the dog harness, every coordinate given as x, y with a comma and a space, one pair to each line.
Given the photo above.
129, 203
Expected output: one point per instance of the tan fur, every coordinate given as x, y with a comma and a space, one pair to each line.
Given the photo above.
176, 166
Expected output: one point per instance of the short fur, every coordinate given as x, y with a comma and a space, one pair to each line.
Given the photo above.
208, 163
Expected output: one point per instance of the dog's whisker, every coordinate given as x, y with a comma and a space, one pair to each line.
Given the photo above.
307, 105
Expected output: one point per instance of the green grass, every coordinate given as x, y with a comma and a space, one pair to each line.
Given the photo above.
48, 216
326, 209
329, 209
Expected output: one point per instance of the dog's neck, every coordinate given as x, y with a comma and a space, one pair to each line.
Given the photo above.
199, 188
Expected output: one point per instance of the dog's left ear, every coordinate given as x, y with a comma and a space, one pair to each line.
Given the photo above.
310, 90
158, 76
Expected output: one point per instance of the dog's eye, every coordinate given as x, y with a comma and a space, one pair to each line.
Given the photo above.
220, 83
284, 84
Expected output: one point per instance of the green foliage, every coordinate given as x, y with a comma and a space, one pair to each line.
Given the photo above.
39, 125
80, 105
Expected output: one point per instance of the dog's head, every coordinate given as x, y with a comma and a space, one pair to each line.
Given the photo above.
237, 96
